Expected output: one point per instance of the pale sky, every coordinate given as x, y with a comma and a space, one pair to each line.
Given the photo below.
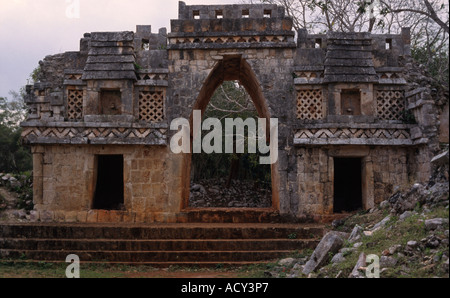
33, 29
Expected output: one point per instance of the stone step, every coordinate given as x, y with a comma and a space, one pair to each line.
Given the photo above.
152, 264
157, 244
160, 245
232, 215
147, 256
161, 231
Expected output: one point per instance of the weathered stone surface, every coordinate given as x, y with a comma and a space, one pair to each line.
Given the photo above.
358, 270
158, 77
356, 234
412, 244
338, 258
436, 223
387, 262
286, 262
329, 244
440, 159
381, 224
405, 215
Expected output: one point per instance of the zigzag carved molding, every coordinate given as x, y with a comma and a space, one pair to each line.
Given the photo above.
353, 133
353, 136
63, 135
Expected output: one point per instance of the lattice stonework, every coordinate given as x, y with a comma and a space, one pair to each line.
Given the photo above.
151, 106
390, 104
309, 104
75, 105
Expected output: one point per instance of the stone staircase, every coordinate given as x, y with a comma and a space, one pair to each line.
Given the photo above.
159, 245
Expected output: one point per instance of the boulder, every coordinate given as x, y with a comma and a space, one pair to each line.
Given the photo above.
13, 182
286, 262
387, 262
440, 159
330, 244
338, 258
435, 223
381, 224
356, 234
412, 244
405, 215
402, 202
360, 265
394, 249
384, 205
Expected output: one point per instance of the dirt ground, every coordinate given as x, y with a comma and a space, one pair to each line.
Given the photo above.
24, 269
183, 274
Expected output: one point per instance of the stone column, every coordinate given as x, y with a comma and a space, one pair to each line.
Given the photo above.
38, 176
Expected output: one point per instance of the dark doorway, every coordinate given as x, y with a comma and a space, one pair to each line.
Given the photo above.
235, 179
347, 184
109, 191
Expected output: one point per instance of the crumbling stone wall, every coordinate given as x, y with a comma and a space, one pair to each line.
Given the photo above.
335, 95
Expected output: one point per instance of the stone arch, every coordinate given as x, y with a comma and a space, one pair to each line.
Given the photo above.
232, 68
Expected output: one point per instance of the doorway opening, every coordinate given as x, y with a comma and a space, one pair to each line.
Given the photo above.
109, 191
347, 185
230, 179
235, 73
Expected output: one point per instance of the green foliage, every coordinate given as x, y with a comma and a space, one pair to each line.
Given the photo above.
408, 117
436, 61
231, 101
25, 191
13, 156
292, 236
34, 76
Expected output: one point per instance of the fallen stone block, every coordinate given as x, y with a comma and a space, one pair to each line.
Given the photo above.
435, 223
330, 243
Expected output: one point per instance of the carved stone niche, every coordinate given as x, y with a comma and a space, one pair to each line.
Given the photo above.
110, 102
351, 102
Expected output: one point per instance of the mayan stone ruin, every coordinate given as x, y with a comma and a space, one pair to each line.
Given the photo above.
351, 127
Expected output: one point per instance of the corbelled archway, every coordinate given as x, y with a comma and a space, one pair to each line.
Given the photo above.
232, 68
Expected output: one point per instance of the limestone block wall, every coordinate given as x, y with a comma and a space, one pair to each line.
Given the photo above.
65, 181
189, 71
197, 73
384, 171
335, 95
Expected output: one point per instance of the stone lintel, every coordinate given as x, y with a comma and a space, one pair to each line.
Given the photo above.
354, 126
153, 71
231, 34
392, 81
305, 81
212, 46
153, 83
354, 142
74, 83
40, 124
